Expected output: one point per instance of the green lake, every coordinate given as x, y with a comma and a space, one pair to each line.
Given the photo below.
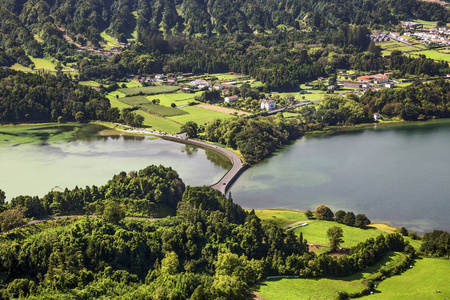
37, 159
399, 174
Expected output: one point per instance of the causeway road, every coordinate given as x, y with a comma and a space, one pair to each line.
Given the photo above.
237, 166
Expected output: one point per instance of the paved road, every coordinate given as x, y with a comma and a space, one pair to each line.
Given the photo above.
228, 179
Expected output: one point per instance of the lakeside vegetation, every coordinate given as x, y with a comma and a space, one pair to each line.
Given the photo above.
208, 248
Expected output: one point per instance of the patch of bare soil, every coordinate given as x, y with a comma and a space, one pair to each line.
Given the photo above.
340, 252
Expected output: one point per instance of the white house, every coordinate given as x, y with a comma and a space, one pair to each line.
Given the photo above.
389, 85
231, 99
159, 76
376, 116
218, 86
268, 104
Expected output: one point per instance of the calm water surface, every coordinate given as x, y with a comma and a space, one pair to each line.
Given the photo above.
397, 174
34, 160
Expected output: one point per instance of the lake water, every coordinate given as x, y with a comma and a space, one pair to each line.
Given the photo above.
398, 174
34, 160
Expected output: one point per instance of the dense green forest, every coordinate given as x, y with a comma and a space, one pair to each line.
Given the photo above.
46, 97
280, 43
149, 192
211, 248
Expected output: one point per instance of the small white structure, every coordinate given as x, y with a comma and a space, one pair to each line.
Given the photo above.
376, 116
389, 85
159, 76
231, 99
268, 104
218, 86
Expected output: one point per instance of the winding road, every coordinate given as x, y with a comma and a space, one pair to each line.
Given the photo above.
237, 166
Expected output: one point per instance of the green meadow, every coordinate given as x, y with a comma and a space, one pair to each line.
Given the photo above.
433, 54
428, 279
281, 217
179, 98
323, 288
110, 42
199, 115
159, 123
43, 64
149, 90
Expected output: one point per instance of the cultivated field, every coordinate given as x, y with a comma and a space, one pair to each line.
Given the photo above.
179, 98
433, 54
145, 104
222, 109
199, 115
149, 90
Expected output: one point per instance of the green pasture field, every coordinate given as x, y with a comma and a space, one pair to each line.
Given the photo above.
402, 85
110, 42
316, 233
116, 103
134, 100
428, 279
145, 104
159, 123
323, 288
179, 98
43, 63
433, 54
149, 90
162, 110
281, 217
130, 84
89, 83
19, 67
199, 115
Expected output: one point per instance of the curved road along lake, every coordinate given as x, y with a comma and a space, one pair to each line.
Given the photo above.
398, 174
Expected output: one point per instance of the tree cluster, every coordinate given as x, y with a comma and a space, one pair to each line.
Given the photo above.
45, 97
255, 139
152, 191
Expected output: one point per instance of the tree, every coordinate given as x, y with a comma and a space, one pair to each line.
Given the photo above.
2, 197
190, 128
349, 219
112, 213
361, 220
79, 116
340, 215
309, 214
11, 218
173, 105
170, 263
323, 212
335, 235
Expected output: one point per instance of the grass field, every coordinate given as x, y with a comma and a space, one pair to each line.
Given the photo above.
281, 217
433, 54
323, 288
421, 282
19, 67
109, 41
199, 115
159, 123
178, 98
43, 63
222, 109
145, 104
149, 90
89, 83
